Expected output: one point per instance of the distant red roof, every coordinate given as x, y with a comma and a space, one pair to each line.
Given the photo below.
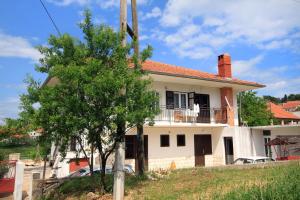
172, 70
280, 113
291, 104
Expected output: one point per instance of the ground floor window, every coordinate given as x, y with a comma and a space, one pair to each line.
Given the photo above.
180, 140
164, 140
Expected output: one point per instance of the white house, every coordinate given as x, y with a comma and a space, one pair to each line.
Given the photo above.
198, 123
263, 134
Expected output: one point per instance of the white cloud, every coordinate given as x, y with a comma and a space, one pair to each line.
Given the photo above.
277, 81
15, 46
244, 67
69, 2
155, 12
143, 37
192, 41
9, 108
269, 24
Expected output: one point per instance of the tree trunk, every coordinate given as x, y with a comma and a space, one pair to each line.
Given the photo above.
102, 160
140, 149
92, 160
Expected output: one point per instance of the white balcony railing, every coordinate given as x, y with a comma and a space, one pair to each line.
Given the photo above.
205, 115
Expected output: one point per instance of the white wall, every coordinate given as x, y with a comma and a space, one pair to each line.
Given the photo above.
213, 92
162, 87
162, 157
275, 131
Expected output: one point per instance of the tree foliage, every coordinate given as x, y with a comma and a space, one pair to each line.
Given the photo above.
97, 89
284, 99
253, 109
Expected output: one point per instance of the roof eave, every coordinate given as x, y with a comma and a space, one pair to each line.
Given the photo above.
206, 79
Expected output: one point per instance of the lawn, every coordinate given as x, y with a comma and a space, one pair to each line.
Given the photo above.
276, 182
268, 182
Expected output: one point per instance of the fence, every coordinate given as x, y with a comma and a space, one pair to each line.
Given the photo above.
7, 183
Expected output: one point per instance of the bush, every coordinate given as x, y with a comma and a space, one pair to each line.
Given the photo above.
13, 142
3, 166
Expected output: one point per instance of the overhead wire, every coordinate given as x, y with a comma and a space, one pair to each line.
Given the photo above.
52, 20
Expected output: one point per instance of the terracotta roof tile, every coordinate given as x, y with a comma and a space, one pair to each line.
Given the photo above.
291, 104
280, 113
167, 69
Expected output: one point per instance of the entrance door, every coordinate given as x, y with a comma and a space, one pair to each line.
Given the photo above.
228, 144
202, 146
204, 114
131, 149
145, 152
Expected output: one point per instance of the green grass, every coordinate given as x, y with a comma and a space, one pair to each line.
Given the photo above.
279, 182
78, 187
27, 151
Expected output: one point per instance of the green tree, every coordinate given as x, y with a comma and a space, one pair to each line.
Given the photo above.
253, 109
284, 99
98, 94
272, 99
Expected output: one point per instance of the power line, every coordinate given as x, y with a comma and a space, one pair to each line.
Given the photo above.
50, 18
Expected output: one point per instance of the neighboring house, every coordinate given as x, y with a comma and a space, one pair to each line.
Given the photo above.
35, 134
198, 123
264, 134
283, 116
292, 106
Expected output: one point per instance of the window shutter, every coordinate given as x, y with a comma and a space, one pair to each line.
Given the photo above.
191, 96
169, 99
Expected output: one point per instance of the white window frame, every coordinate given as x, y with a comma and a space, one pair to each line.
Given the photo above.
179, 101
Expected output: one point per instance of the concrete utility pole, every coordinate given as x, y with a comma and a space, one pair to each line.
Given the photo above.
135, 27
119, 174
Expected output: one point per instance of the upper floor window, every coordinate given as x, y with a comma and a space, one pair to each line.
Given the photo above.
176, 100
180, 100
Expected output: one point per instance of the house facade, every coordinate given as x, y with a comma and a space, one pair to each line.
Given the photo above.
198, 122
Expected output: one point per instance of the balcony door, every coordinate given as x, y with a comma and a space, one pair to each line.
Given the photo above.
203, 101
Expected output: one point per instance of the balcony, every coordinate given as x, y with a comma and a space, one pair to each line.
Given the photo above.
205, 115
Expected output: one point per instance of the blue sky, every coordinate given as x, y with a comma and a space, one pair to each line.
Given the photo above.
263, 38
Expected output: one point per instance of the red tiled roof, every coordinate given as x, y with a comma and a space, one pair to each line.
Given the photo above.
291, 104
280, 113
172, 70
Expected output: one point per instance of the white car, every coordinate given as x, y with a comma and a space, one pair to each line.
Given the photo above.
252, 160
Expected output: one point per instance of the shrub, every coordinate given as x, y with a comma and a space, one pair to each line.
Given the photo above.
3, 166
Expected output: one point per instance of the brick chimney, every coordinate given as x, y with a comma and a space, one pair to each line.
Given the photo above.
224, 65
224, 70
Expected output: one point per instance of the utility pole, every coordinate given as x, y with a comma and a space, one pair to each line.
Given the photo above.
119, 174
140, 128
135, 28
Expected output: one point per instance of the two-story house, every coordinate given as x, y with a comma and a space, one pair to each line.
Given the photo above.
198, 123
